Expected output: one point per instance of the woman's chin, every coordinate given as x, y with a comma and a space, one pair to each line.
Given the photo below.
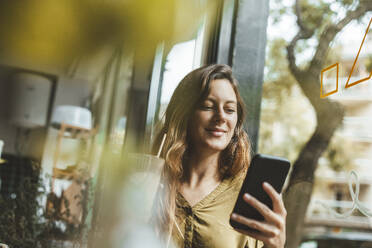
216, 146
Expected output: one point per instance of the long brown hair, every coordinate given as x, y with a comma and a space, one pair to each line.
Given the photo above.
235, 159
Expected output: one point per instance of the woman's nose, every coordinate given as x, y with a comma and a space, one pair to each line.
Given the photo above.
220, 115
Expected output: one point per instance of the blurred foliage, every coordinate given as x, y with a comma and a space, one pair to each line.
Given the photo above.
24, 222
55, 32
369, 64
315, 14
341, 153
18, 222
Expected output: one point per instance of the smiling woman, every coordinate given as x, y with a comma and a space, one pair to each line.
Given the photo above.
207, 153
213, 123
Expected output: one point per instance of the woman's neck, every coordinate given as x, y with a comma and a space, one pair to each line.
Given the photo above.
202, 168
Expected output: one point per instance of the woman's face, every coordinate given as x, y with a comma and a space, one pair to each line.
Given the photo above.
213, 122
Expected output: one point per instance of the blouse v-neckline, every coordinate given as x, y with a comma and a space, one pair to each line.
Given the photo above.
206, 199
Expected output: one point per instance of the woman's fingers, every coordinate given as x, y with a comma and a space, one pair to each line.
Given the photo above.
267, 230
272, 231
266, 212
278, 204
269, 234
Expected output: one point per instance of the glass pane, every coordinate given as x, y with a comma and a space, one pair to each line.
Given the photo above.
296, 124
182, 58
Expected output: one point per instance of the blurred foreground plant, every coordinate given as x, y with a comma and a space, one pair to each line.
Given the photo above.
24, 222
57, 32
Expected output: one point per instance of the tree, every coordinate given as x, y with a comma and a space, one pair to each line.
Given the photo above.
287, 119
316, 21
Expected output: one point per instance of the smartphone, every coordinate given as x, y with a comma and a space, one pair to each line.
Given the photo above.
263, 168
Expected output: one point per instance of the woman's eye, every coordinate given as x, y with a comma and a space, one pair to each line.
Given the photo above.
230, 110
207, 107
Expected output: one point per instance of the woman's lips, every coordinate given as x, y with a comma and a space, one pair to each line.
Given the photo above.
216, 132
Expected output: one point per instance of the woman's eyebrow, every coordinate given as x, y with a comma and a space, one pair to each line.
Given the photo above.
214, 100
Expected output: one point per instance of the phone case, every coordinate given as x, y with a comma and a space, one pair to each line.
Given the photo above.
263, 168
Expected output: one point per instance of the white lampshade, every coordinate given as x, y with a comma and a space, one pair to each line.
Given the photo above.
72, 115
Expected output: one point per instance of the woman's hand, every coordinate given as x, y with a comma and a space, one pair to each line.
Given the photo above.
272, 230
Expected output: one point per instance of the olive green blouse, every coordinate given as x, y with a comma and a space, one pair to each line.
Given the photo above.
206, 224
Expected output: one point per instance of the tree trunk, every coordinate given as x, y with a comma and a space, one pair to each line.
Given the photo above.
298, 193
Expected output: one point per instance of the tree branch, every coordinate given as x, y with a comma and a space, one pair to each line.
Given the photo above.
300, 22
309, 79
330, 33
303, 33
291, 56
